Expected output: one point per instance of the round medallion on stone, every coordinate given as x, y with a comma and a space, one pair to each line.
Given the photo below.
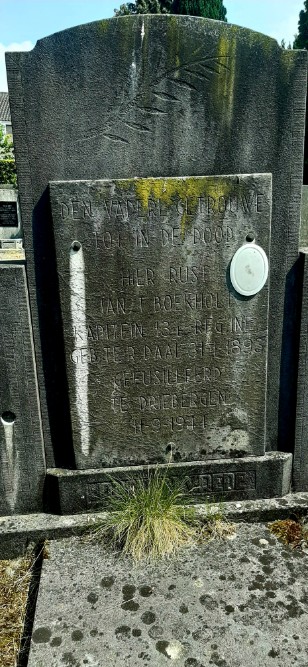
249, 269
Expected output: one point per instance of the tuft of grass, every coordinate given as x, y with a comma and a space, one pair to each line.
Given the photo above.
15, 576
290, 532
147, 520
216, 529
215, 525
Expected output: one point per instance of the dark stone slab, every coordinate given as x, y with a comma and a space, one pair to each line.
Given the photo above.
8, 214
22, 463
175, 96
164, 359
228, 602
72, 491
300, 472
303, 240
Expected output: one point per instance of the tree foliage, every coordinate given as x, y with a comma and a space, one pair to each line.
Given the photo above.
7, 162
212, 9
284, 46
6, 145
145, 7
8, 172
301, 40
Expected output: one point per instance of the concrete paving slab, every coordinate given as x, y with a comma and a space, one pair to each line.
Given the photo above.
228, 603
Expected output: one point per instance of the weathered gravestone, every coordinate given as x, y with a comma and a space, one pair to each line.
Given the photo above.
300, 468
9, 213
22, 461
11, 245
159, 348
177, 97
303, 238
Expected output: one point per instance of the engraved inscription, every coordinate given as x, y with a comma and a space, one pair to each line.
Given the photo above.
200, 485
231, 481
158, 346
125, 209
8, 214
180, 81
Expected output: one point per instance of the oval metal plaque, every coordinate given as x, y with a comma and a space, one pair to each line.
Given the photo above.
249, 269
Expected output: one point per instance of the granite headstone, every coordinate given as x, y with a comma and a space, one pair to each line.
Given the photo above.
176, 97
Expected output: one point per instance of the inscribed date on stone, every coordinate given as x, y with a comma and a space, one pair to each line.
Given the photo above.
164, 359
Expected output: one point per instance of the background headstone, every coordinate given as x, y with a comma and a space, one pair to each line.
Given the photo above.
11, 244
158, 96
300, 469
303, 240
8, 214
10, 223
22, 461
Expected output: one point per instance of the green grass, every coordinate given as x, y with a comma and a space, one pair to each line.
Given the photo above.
149, 519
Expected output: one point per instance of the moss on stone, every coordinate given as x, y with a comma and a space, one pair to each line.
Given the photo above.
225, 81
170, 190
104, 25
288, 60
290, 532
127, 30
173, 43
254, 39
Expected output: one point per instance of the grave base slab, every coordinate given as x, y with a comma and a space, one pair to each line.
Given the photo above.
249, 478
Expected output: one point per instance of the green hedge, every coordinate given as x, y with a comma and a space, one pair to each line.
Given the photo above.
8, 172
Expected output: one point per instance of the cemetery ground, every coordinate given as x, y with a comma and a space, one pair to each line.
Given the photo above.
229, 602
15, 577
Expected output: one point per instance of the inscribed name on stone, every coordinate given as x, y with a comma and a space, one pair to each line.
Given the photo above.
164, 359
8, 214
